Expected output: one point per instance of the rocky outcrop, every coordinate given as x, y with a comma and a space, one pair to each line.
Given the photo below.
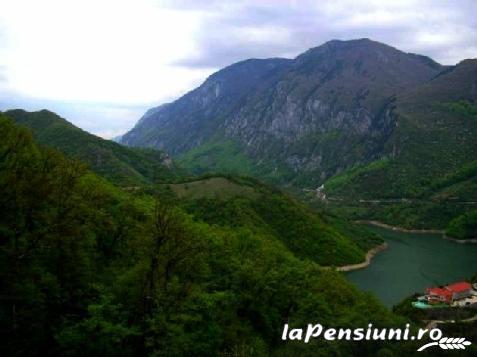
324, 111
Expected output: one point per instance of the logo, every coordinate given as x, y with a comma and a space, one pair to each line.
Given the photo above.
448, 343
371, 333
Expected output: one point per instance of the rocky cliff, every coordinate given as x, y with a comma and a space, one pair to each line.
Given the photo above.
296, 120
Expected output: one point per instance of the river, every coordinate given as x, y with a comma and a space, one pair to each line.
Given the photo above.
413, 262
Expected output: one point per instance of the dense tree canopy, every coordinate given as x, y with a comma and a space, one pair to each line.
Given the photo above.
90, 269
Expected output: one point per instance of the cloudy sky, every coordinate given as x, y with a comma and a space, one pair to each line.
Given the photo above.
102, 63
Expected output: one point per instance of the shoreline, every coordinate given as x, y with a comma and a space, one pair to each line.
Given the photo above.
369, 256
374, 251
460, 241
418, 231
400, 229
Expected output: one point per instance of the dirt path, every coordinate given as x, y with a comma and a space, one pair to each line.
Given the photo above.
423, 231
401, 229
433, 323
462, 241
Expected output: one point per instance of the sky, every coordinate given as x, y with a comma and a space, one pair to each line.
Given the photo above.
102, 63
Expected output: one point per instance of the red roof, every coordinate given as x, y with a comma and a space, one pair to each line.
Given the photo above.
459, 287
439, 291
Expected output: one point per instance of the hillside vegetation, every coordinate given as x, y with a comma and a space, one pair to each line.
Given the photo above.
290, 121
89, 269
119, 164
464, 226
430, 161
371, 122
237, 202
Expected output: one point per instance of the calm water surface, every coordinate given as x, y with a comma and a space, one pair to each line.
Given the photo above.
413, 262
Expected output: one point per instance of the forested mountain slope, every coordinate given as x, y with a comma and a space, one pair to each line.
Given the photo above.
431, 157
371, 122
89, 269
126, 166
245, 203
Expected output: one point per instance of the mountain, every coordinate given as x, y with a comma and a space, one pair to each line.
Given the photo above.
295, 121
120, 164
430, 159
368, 121
434, 134
117, 139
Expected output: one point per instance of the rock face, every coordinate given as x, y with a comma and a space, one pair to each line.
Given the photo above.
433, 145
304, 119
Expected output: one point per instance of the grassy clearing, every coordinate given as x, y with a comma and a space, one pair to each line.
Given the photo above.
214, 187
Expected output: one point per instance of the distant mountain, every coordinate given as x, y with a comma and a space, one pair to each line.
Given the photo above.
295, 121
117, 139
430, 158
120, 164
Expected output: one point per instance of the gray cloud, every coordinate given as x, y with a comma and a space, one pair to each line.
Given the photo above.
233, 31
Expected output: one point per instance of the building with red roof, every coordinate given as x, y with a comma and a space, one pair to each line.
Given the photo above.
459, 287
460, 290
437, 294
449, 293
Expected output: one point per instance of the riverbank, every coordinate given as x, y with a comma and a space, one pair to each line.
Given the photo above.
423, 231
401, 229
406, 267
372, 252
461, 241
369, 256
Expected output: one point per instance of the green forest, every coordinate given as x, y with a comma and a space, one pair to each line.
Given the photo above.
91, 268
238, 178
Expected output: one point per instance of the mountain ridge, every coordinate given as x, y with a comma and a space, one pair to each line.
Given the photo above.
430, 158
121, 165
292, 117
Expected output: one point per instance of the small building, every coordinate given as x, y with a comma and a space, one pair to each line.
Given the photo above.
439, 295
460, 290
320, 193
449, 293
